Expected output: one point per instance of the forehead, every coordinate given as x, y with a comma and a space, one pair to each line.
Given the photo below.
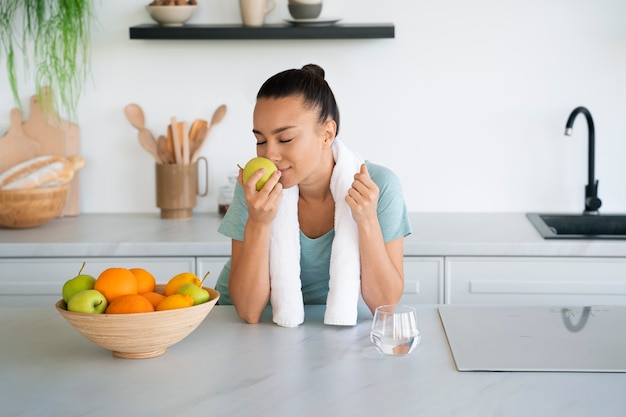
279, 110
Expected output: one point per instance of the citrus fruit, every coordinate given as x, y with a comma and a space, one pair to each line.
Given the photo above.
129, 303
145, 280
154, 297
174, 301
113, 282
179, 280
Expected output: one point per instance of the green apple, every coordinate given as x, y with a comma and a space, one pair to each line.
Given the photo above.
77, 284
254, 165
200, 295
88, 301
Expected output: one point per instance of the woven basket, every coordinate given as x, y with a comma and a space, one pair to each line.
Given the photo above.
32, 207
139, 335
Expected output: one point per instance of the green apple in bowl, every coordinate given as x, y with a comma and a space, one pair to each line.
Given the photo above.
200, 295
88, 301
77, 284
254, 165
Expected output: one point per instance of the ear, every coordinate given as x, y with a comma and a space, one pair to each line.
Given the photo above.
329, 130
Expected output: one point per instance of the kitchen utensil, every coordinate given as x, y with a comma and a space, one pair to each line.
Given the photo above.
197, 144
176, 140
164, 151
218, 116
149, 144
16, 146
135, 115
185, 146
196, 126
56, 136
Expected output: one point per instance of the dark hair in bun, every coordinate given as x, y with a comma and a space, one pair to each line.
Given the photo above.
308, 82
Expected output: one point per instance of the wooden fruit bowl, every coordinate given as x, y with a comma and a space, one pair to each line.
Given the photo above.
139, 335
32, 207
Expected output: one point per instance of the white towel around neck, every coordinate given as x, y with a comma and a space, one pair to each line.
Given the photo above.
345, 263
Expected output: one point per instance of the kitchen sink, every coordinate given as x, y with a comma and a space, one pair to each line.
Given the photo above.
579, 226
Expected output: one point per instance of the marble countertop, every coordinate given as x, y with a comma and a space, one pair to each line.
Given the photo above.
434, 234
229, 368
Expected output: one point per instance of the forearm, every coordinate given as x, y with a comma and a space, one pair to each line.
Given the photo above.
248, 283
382, 276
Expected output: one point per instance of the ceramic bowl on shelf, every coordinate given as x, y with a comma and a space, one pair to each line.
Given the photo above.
304, 10
139, 335
23, 208
171, 15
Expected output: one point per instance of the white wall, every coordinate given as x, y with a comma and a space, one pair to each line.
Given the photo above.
467, 104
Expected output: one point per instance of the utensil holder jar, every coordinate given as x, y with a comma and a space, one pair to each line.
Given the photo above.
177, 186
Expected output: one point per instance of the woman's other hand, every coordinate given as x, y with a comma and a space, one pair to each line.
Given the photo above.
362, 197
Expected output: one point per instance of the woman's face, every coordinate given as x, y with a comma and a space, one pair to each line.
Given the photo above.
290, 135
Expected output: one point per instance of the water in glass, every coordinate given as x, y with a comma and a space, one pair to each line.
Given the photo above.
395, 330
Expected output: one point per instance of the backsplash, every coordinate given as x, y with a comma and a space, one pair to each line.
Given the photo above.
467, 104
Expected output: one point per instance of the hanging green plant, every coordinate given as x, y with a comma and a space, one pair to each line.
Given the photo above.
53, 39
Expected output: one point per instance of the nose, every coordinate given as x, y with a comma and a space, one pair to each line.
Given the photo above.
272, 152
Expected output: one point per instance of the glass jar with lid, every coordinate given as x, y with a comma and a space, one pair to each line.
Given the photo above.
226, 193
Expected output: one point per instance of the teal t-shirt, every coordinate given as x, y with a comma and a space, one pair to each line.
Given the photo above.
315, 253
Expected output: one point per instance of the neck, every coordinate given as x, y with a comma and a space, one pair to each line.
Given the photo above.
318, 188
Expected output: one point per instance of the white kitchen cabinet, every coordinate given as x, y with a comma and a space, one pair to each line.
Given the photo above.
535, 280
423, 277
423, 280
36, 281
214, 264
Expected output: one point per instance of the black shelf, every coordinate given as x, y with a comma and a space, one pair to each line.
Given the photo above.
270, 31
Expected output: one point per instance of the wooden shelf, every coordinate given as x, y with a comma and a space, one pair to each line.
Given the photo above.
274, 31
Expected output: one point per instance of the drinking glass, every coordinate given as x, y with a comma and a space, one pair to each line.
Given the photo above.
394, 330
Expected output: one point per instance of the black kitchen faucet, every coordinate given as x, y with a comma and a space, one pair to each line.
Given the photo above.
592, 202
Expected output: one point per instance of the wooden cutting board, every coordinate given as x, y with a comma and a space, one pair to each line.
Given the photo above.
16, 146
55, 136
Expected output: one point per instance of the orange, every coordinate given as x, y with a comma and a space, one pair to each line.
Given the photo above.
154, 297
177, 281
174, 301
113, 282
145, 280
129, 303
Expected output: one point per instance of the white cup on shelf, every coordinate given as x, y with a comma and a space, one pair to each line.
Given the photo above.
253, 12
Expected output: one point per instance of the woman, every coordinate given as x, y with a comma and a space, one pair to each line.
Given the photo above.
296, 120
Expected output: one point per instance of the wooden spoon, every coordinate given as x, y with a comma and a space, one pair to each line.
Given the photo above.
218, 116
196, 126
135, 116
176, 141
164, 150
197, 144
149, 144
